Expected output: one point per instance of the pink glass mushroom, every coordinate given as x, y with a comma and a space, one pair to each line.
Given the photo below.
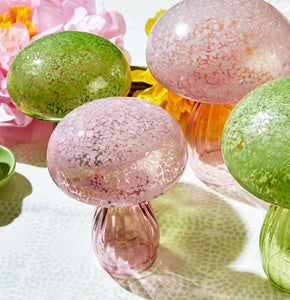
118, 153
215, 52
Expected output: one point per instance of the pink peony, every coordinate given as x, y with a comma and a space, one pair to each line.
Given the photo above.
45, 17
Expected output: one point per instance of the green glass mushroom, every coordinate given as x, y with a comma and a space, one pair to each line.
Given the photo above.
255, 147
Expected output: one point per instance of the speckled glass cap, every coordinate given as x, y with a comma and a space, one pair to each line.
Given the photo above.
116, 151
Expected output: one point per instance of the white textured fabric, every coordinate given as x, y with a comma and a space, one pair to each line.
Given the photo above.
209, 245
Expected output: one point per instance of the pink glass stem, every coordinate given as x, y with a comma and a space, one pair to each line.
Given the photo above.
203, 137
125, 239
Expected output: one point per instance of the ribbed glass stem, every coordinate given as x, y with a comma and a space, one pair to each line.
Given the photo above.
275, 246
125, 239
203, 137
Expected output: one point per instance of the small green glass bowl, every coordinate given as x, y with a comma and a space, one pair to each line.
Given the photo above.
7, 165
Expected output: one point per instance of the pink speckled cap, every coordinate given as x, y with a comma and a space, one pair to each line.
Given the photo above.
117, 151
216, 51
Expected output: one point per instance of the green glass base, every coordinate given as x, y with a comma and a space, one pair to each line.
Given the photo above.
275, 247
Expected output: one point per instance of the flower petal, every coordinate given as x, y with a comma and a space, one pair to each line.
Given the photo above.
10, 115
78, 21
5, 60
114, 24
143, 76
18, 38
48, 31
46, 16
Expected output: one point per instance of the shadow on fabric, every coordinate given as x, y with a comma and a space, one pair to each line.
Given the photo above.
200, 235
11, 196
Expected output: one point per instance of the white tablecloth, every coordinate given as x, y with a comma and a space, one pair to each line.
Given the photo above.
209, 245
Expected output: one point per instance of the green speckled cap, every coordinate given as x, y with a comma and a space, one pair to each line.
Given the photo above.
64, 70
256, 143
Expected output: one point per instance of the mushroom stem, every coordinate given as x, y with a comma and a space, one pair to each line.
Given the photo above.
275, 246
203, 137
125, 239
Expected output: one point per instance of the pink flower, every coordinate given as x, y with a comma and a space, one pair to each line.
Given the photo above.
46, 17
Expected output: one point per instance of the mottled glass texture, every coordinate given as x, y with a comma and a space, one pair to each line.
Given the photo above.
125, 239
256, 142
116, 152
203, 136
275, 246
64, 70
218, 51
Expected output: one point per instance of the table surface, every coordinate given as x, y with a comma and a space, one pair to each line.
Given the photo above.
209, 244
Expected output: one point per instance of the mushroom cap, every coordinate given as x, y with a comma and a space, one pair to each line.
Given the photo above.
63, 70
256, 143
116, 151
218, 51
